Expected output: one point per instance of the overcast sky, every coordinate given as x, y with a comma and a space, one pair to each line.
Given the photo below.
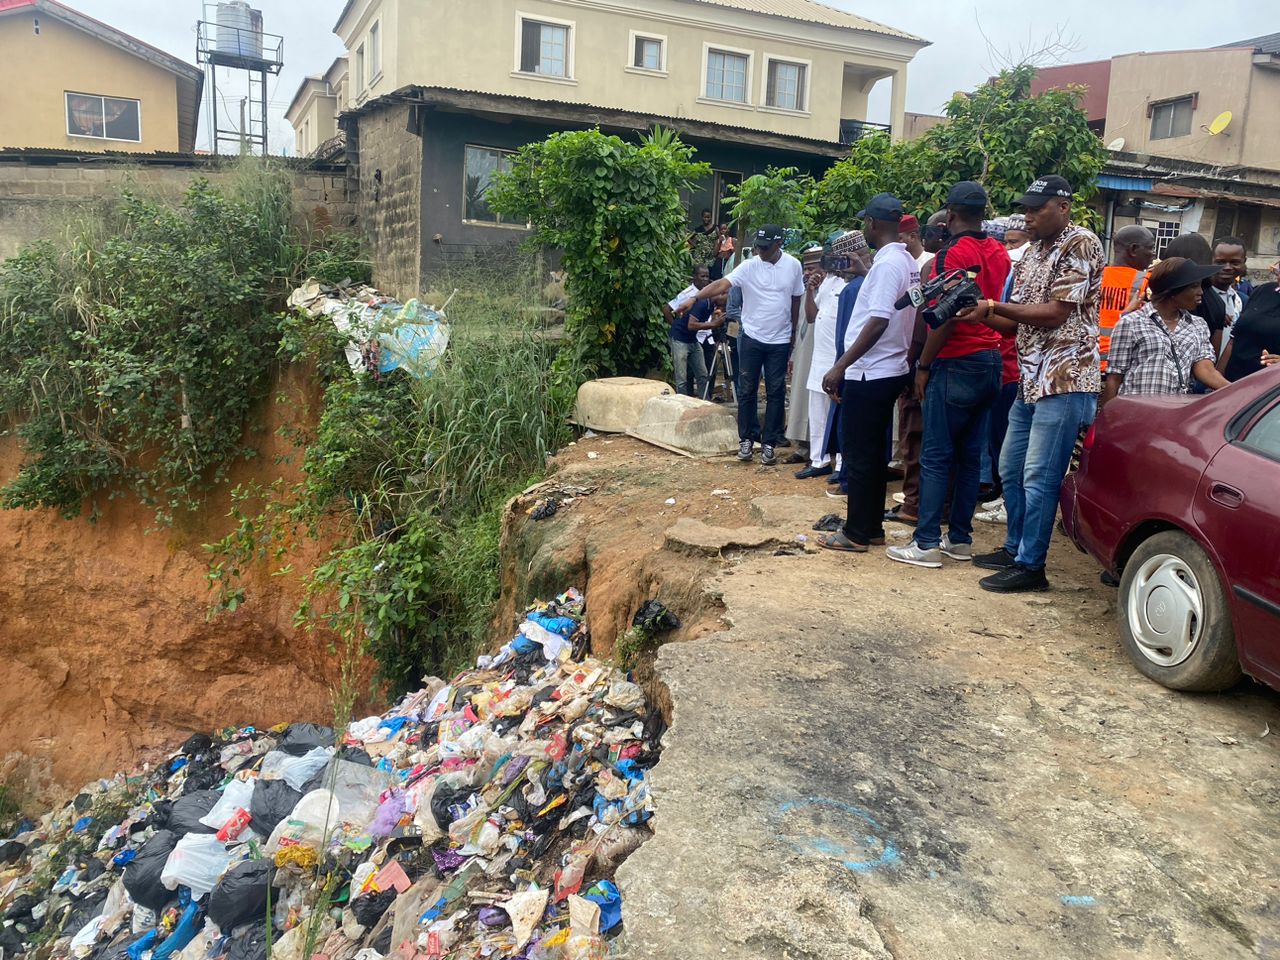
958, 59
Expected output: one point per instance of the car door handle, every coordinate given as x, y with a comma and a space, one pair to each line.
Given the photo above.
1226, 495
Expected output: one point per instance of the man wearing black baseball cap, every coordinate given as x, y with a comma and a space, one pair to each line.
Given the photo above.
1053, 309
958, 377
772, 285
871, 372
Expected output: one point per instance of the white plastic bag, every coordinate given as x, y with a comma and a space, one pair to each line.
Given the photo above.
309, 825
237, 795
197, 862
295, 771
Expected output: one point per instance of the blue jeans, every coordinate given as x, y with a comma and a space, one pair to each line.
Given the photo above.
686, 355
999, 427
1037, 453
754, 359
957, 411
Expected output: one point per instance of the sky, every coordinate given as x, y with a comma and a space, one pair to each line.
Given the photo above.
958, 59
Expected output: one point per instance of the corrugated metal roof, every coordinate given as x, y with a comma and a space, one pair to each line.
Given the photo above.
1268, 44
810, 11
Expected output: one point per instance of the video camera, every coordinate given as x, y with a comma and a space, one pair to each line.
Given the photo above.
950, 294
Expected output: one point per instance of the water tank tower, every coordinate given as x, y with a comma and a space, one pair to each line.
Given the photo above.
231, 36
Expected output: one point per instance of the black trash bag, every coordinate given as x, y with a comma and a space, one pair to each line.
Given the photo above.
241, 896
202, 777
273, 801
249, 943
142, 873
21, 907
383, 941
355, 755
11, 941
157, 818
196, 744
443, 799
300, 738
655, 618
185, 816
370, 908
11, 851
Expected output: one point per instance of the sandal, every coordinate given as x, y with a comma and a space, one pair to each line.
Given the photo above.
841, 544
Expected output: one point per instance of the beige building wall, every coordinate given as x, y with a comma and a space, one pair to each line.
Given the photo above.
37, 70
1221, 78
436, 50
1260, 124
389, 43
314, 117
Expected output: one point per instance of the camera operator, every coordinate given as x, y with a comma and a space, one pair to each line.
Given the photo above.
1057, 292
958, 380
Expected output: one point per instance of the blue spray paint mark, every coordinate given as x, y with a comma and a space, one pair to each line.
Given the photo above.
1079, 901
845, 851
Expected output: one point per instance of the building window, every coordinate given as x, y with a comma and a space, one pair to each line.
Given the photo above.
104, 118
1237, 221
375, 51
727, 76
544, 48
786, 85
1165, 231
305, 147
35, 25
360, 74
1171, 119
480, 165
648, 53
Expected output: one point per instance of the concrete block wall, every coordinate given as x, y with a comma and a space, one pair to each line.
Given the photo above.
38, 200
389, 197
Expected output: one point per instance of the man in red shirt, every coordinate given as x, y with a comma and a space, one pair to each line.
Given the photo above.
959, 376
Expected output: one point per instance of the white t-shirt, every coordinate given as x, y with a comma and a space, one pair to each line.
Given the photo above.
893, 272
827, 297
684, 296
767, 290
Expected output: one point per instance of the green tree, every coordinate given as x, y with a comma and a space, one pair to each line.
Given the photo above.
614, 210
780, 195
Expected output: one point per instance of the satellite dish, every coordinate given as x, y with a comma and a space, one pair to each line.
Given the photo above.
1116, 144
1220, 123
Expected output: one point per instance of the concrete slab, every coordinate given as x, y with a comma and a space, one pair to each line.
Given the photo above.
687, 424
694, 536
614, 404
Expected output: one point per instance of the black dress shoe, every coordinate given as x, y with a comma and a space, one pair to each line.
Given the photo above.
783, 444
895, 516
808, 473
1002, 559
794, 458
1016, 580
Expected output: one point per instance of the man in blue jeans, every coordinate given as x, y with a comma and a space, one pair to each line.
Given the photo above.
958, 379
1057, 292
772, 285
686, 352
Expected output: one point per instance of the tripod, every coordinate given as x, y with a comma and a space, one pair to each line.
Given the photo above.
723, 360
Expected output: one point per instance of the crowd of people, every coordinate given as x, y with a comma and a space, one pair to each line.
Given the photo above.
996, 341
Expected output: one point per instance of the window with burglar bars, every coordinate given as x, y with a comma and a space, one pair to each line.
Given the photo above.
726, 76
481, 164
1172, 119
104, 118
544, 48
786, 85
648, 54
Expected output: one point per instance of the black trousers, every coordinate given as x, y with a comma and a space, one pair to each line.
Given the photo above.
866, 414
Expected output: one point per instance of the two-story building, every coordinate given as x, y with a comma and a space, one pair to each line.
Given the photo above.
433, 104
73, 83
1195, 145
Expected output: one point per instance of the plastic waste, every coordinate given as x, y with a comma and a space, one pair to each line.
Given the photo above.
237, 795
606, 895
187, 815
272, 801
242, 894
183, 933
295, 771
197, 862
304, 737
142, 875
308, 825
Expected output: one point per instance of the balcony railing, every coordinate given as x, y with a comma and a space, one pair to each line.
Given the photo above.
851, 131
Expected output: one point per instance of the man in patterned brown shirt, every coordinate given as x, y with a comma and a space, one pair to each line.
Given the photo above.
1054, 310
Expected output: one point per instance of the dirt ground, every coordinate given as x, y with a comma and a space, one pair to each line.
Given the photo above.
872, 760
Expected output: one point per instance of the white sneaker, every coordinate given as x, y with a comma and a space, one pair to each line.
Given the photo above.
913, 555
899, 498
995, 504
956, 551
998, 515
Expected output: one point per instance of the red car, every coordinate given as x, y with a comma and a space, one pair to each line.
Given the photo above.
1180, 498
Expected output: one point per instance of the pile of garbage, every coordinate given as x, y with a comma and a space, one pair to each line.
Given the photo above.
382, 333
478, 818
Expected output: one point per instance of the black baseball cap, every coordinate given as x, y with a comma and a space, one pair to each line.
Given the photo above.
768, 235
1043, 190
883, 206
968, 193
1187, 274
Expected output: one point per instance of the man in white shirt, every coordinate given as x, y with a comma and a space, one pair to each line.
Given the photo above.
772, 285
1230, 255
822, 307
872, 372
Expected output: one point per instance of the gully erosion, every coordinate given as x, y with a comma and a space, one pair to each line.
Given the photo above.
862, 762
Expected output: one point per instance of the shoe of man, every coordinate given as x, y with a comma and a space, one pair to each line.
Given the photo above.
896, 516
997, 515
838, 494
746, 451
809, 473
956, 551
1002, 559
834, 479
795, 458
1016, 580
783, 444
767, 457
915, 556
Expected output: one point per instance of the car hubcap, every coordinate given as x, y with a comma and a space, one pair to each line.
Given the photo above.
1166, 610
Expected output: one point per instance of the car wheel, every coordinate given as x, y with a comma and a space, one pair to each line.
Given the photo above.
1174, 617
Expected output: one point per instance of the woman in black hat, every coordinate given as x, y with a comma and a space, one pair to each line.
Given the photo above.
1162, 347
